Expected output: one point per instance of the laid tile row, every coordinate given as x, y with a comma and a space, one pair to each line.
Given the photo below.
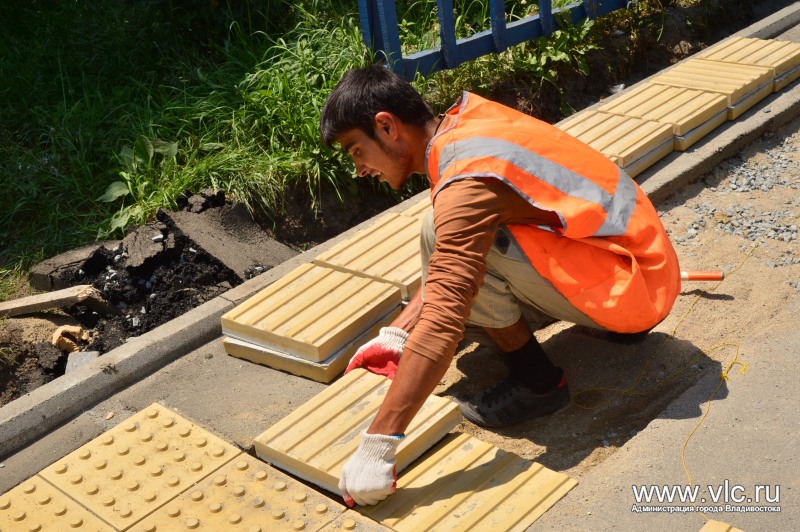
678, 107
158, 471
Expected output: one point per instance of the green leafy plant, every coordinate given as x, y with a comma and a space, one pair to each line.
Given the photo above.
566, 47
146, 179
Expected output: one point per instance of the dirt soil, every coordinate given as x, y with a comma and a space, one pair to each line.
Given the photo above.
182, 276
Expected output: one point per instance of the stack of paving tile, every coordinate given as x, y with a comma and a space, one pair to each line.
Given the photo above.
312, 321
691, 113
692, 98
631, 143
783, 57
743, 85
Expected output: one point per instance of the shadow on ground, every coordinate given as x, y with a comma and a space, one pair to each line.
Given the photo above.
616, 388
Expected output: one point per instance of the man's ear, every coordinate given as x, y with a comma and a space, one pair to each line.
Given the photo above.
386, 122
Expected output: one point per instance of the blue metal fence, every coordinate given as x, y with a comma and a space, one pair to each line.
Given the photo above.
380, 32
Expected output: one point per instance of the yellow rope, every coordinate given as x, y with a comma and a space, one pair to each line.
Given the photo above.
723, 376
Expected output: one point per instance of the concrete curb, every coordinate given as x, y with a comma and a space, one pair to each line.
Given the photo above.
24, 420
773, 25
27, 418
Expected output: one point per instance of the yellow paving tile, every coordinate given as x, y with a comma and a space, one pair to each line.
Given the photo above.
742, 85
312, 312
692, 113
139, 465
783, 57
632, 143
386, 251
314, 441
353, 521
718, 526
36, 506
466, 484
420, 209
324, 371
246, 494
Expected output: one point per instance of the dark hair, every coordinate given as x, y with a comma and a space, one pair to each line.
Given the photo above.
364, 92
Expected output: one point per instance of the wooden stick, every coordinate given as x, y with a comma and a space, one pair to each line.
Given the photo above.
49, 300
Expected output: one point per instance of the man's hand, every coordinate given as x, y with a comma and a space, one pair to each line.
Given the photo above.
370, 475
381, 354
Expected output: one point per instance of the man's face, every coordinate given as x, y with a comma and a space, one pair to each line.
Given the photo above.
377, 157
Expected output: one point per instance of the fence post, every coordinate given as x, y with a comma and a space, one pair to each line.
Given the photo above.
447, 33
546, 16
591, 8
380, 31
498, 14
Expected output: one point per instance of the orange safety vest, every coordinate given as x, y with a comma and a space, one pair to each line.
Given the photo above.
611, 258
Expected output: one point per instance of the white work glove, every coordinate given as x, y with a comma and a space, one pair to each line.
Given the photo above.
369, 476
381, 355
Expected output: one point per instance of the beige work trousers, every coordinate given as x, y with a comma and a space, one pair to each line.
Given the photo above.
510, 285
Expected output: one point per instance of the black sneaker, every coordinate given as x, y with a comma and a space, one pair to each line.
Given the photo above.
510, 401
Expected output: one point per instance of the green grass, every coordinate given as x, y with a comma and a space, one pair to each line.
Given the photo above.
234, 109
111, 111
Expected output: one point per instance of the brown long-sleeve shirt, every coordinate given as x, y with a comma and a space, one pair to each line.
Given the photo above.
467, 214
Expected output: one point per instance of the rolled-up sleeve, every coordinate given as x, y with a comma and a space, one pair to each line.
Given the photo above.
466, 214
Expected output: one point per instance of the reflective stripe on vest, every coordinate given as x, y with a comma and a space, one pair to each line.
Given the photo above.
618, 207
611, 257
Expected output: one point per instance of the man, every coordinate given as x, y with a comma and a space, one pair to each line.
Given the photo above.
523, 215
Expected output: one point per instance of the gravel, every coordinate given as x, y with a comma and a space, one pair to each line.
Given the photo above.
745, 177
756, 198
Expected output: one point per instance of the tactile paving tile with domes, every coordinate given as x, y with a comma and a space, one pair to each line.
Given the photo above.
137, 466
246, 494
783, 57
352, 521
36, 506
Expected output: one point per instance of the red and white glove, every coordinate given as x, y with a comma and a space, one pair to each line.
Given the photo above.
370, 475
381, 355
